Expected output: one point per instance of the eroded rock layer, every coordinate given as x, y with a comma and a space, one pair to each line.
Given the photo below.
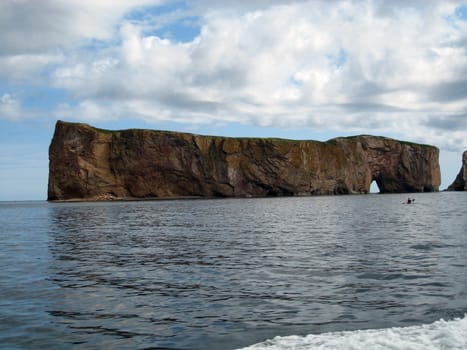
92, 164
460, 183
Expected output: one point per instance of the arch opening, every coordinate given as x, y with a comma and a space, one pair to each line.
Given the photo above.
374, 187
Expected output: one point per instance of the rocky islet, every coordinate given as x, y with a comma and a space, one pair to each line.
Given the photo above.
87, 163
460, 183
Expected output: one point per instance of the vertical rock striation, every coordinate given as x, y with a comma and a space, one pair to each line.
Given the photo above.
92, 164
460, 183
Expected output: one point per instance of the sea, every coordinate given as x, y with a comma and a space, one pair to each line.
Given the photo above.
326, 272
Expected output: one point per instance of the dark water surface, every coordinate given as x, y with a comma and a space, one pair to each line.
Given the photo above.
223, 274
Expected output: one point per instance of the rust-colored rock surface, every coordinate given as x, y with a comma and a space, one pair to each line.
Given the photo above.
92, 164
460, 183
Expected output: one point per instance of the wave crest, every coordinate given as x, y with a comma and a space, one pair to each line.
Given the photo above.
446, 335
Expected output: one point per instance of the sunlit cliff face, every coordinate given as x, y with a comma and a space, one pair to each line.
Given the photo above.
93, 164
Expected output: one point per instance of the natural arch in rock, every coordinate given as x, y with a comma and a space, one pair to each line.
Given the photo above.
93, 164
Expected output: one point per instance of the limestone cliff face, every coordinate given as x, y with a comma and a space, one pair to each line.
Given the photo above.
460, 183
92, 164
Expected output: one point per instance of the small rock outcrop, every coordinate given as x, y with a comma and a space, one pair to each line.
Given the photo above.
460, 183
87, 163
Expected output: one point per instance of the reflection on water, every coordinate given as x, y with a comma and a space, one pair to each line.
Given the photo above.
221, 274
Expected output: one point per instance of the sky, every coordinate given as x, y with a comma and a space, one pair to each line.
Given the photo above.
292, 69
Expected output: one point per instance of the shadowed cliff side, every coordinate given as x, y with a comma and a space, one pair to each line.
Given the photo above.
92, 164
460, 183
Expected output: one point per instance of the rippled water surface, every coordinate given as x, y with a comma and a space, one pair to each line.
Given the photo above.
223, 274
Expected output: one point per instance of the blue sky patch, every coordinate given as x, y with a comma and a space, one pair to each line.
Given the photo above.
461, 12
338, 59
174, 21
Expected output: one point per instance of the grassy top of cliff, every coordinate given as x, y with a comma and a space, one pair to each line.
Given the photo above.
272, 139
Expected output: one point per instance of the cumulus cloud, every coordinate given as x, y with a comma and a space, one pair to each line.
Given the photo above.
26, 67
360, 66
10, 107
31, 26
37, 34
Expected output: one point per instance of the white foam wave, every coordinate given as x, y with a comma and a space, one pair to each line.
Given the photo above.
440, 335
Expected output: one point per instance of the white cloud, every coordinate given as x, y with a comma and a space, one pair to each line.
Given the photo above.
10, 108
26, 67
35, 34
31, 26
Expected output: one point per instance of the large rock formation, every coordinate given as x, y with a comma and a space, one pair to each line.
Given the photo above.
460, 183
92, 164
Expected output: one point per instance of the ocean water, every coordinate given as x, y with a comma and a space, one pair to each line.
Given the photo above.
333, 272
